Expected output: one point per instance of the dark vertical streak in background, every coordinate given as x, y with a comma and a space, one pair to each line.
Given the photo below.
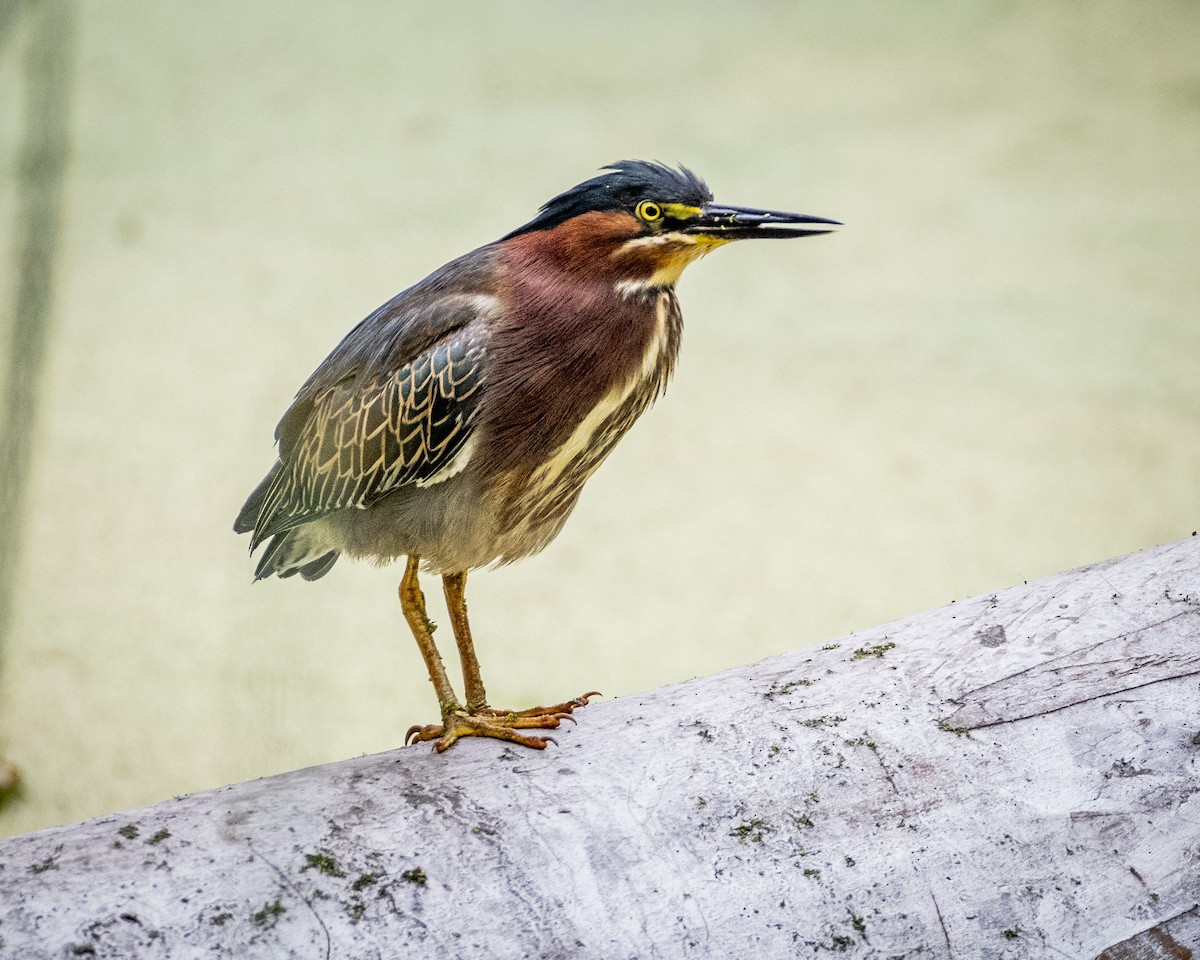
9, 11
41, 162
8, 16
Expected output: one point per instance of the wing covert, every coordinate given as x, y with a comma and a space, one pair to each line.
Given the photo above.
369, 435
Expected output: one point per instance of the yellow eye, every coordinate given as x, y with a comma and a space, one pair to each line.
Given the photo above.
649, 211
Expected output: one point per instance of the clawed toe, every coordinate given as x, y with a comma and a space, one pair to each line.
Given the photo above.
560, 710
418, 732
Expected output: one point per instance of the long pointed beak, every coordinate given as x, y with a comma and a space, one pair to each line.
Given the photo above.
746, 223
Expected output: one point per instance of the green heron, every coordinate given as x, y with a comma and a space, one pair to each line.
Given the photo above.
457, 424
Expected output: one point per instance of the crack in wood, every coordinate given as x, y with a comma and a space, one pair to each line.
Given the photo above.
1153, 653
942, 923
1158, 942
283, 878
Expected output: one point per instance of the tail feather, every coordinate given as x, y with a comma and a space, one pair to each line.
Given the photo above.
291, 553
295, 551
319, 567
247, 518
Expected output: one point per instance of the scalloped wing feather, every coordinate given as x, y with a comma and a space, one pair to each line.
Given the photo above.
364, 440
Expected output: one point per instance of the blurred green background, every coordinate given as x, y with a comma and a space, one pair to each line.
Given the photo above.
989, 375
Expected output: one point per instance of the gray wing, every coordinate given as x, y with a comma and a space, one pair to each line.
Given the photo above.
381, 426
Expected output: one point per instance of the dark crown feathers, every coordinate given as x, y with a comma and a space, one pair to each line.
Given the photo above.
620, 187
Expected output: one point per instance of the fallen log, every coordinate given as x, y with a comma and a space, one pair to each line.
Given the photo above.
1016, 775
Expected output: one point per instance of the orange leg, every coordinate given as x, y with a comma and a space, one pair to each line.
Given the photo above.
455, 587
412, 602
478, 719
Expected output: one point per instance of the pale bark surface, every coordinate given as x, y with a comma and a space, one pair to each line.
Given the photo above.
1016, 775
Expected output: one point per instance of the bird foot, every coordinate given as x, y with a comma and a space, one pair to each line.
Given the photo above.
458, 725
497, 724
